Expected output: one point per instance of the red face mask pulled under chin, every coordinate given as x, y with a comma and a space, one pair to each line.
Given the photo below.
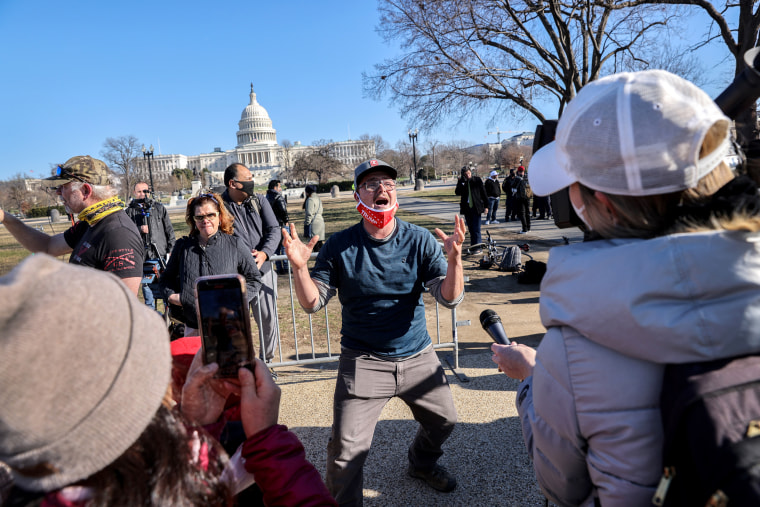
378, 218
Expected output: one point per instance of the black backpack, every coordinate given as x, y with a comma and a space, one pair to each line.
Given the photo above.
711, 417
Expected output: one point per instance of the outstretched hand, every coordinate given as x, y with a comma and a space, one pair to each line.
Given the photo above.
259, 399
298, 253
452, 245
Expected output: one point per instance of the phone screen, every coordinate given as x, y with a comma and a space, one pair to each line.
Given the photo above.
225, 323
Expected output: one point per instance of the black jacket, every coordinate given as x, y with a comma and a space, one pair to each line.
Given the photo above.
507, 185
492, 188
224, 254
159, 224
479, 198
279, 206
255, 225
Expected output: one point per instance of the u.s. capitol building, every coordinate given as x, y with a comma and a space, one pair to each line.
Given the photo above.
256, 148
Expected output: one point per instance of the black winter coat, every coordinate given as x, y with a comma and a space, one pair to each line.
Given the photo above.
479, 198
159, 223
223, 255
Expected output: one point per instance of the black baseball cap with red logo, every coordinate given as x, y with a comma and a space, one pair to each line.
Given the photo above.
371, 166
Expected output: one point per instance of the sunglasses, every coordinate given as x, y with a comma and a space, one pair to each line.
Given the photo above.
208, 196
66, 173
202, 218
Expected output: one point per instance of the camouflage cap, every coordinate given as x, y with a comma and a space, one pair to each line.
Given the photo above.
81, 168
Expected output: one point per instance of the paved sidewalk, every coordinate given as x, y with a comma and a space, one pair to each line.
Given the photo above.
540, 229
485, 451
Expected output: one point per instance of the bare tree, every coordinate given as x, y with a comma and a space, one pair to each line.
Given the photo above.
512, 155
453, 156
459, 54
121, 153
319, 163
17, 195
286, 155
738, 40
431, 147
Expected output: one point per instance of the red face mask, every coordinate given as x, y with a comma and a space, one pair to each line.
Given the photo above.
378, 218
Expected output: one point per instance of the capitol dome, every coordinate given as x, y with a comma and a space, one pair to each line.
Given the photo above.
255, 127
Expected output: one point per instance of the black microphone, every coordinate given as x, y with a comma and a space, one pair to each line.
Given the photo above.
492, 325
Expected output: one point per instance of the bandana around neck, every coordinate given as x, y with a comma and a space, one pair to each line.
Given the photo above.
378, 218
95, 212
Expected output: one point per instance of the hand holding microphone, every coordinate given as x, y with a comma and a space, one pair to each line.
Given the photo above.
514, 359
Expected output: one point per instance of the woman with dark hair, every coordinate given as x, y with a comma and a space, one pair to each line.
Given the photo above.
674, 278
97, 426
209, 249
313, 223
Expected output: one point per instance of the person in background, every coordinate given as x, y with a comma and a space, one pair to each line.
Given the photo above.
209, 249
157, 233
379, 268
280, 208
493, 192
522, 199
674, 279
510, 212
473, 201
313, 223
256, 226
97, 425
104, 238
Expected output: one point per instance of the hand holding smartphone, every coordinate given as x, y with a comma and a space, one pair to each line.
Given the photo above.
225, 323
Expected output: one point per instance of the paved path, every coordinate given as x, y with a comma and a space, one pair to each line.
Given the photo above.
539, 230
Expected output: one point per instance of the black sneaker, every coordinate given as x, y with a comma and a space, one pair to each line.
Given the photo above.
437, 477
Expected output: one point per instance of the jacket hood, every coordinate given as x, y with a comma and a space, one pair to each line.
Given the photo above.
677, 298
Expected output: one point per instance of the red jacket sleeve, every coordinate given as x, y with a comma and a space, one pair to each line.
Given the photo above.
277, 461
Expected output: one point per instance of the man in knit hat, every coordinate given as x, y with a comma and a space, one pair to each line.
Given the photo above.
104, 237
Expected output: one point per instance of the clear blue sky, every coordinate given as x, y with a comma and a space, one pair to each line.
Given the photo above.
177, 74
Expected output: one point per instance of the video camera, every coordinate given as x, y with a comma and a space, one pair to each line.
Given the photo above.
145, 206
736, 98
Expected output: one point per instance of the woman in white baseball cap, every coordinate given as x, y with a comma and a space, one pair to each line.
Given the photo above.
675, 278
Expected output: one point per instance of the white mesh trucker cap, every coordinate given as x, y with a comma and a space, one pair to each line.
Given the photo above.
635, 134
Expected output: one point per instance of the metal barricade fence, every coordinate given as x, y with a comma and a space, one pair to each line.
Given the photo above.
327, 356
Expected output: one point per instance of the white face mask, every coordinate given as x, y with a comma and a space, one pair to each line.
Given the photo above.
579, 212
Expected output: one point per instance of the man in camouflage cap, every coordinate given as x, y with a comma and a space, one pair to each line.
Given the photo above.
104, 237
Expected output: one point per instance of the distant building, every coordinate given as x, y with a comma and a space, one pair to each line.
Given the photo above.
256, 148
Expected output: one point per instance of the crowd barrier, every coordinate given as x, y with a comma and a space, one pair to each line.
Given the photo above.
295, 355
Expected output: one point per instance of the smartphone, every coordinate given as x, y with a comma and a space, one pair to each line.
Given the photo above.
225, 323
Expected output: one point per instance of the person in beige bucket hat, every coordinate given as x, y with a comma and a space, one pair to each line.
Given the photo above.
86, 416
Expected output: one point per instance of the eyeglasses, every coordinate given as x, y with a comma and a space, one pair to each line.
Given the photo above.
143, 192
202, 218
373, 185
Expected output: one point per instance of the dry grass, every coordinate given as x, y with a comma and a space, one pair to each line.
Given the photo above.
338, 214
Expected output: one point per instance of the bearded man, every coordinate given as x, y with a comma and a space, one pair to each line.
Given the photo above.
379, 268
104, 237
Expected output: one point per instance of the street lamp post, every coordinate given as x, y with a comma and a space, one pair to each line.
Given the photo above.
148, 155
413, 139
